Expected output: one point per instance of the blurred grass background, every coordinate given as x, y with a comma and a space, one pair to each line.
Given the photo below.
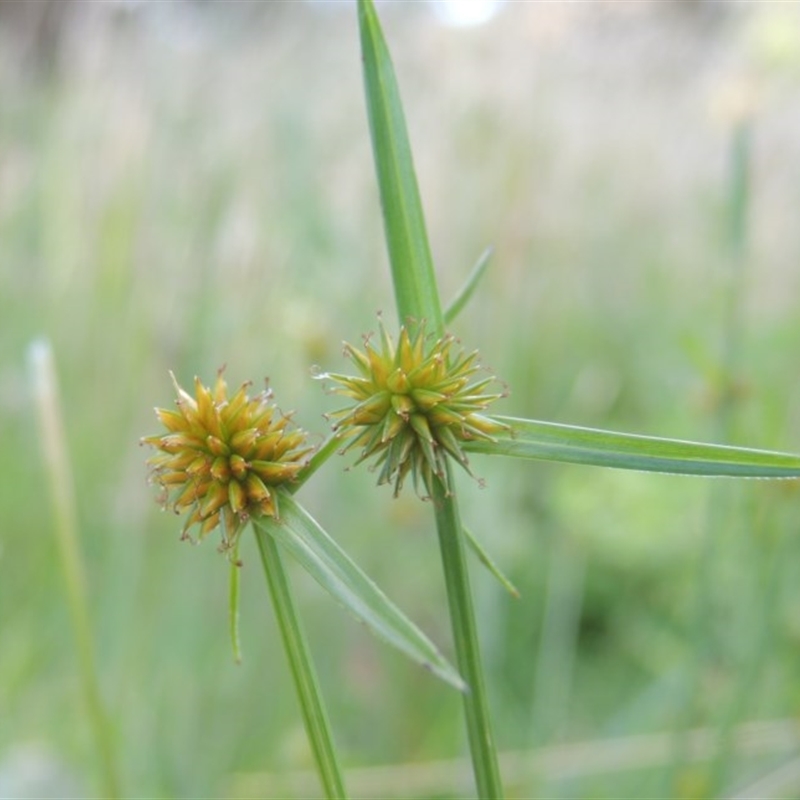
189, 184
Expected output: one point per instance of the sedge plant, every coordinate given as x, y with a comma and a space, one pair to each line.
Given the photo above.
417, 407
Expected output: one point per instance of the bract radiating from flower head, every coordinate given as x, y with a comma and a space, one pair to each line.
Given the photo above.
221, 458
415, 403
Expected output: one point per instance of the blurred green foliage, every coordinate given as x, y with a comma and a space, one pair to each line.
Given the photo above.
192, 186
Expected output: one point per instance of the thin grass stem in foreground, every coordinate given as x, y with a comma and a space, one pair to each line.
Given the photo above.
417, 300
465, 637
305, 679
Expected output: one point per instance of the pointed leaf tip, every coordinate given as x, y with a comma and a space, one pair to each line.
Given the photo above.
335, 571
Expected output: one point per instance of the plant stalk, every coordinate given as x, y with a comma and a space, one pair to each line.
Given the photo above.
465, 637
417, 299
62, 493
305, 679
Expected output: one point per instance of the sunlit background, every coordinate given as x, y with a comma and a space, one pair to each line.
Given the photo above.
188, 184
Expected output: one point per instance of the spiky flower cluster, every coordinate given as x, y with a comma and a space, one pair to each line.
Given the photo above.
221, 458
414, 405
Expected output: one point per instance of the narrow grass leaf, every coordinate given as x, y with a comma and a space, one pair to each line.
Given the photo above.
554, 442
320, 456
333, 569
489, 563
61, 487
457, 304
407, 239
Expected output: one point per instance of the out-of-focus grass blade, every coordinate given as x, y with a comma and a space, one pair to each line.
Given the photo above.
335, 571
58, 474
550, 441
233, 607
489, 563
409, 252
465, 295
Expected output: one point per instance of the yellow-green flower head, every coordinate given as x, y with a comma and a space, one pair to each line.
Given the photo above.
415, 404
221, 458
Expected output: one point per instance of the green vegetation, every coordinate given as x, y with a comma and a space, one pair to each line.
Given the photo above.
164, 238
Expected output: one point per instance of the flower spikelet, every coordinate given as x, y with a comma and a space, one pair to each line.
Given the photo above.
221, 458
416, 402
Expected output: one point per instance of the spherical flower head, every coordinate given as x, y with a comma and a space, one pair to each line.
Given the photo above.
221, 459
415, 404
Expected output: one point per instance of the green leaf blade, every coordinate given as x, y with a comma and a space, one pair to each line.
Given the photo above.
457, 304
299, 534
413, 275
483, 556
551, 441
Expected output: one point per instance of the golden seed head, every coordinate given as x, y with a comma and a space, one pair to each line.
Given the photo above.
221, 459
415, 403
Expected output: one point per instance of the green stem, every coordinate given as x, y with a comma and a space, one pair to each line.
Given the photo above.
62, 492
305, 680
462, 617
417, 299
